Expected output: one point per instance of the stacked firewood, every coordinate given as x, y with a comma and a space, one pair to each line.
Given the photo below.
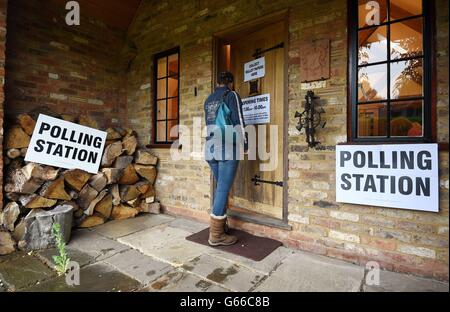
123, 188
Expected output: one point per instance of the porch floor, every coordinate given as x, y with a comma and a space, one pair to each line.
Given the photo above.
150, 253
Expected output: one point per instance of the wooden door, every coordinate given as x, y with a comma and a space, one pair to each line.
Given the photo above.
264, 199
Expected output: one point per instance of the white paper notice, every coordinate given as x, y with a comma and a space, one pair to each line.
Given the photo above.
255, 69
256, 109
402, 176
64, 144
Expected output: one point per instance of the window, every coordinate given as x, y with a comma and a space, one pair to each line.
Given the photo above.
391, 70
166, 96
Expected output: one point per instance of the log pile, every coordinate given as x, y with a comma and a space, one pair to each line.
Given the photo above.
123, 187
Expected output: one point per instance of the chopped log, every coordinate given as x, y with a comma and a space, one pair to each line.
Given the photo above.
55, 190
112, 175
123, 161
35, 202
90, 210
73, 194
27, 123
149, 196
23, 151
112, 134
129, 176
45, 173
104, 207
154, 208
128, 192
76, 178
121, 212
112, 151
88, 122
98, 181
147, 172
143, 186
20, 183
135, 203
144, 157
86, 196
16, 138
79, 213
115, 194
20, 231
129, 144
7, 244
11, 197
91, 221
10, 215
13, 153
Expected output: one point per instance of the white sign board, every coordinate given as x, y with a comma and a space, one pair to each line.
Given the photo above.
255, 69
256, 109
401, 176
64, 144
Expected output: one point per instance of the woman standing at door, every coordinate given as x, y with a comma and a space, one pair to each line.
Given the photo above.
223, 154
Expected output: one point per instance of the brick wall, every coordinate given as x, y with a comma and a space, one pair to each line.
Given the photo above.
400, 240
3, 11
69, 69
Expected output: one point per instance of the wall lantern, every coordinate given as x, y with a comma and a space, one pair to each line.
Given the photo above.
310, 119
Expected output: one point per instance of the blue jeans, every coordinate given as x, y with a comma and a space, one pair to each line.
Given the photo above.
224, 173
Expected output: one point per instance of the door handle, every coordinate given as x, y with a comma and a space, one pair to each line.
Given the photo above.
257, 181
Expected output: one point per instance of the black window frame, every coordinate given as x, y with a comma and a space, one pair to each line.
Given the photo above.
156, 57
429, 74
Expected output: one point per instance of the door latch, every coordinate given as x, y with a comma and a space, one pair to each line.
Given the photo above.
257, 181
259, 52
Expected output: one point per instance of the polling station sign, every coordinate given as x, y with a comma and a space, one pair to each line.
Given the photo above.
255, 69
64, 144
401, 176
256, 109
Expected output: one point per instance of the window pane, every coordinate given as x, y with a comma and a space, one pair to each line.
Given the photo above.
161, 89
406, 39
173, 109
372, 45
162, 67
407, 119
161, 113
405, 8
406, 79
161, 131
372, 83
370, 15
372, 120
172, 124
173, 87
173, 64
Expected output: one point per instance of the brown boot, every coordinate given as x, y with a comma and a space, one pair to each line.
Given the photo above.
217, 236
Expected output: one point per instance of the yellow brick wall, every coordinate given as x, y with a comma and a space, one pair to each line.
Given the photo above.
400, 240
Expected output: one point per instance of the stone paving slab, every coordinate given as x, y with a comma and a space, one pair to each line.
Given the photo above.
230, 275
264, 266
138, 266
396, 282
188, 225
179, 281
94, 244
76, 255
165, 243
118, 228
22, 271
303, 272
98, 277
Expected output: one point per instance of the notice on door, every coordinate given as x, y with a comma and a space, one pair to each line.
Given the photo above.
256, 109
64, 144
255, 69
397, 176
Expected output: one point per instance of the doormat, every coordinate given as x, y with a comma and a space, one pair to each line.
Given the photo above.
249, 246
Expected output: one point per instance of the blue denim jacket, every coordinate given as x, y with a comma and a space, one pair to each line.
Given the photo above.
213, 149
